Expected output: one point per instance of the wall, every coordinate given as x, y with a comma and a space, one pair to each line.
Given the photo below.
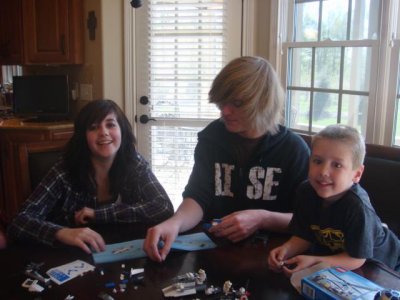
261, 34
112, 47
92, 70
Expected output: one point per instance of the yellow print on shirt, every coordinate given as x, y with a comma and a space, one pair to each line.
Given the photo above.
332, 238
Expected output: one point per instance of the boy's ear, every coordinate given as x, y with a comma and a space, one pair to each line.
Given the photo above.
358, 173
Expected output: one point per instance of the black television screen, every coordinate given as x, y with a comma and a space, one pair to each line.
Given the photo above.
41, 96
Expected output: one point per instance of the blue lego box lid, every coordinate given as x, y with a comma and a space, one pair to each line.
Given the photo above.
338, 283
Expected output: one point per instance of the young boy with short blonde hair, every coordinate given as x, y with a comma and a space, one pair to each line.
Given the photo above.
334, 219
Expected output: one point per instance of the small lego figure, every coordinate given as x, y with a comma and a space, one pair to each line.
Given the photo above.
185, 277
201, 276
210, 290
242, 293
227, 287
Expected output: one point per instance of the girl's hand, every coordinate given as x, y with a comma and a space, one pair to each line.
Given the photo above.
82, 238
84, 216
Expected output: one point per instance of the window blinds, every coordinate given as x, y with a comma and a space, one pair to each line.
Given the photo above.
187, 45
186, 51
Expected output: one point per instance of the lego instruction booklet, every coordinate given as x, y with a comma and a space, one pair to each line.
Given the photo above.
134, 249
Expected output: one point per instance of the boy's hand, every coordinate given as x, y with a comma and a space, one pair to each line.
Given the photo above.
276, 258
238, 225
159, 239
298, 263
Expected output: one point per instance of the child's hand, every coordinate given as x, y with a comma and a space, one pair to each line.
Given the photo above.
298, 263
276, 257
84, 238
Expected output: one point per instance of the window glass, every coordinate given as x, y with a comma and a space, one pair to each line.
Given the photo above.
327, 67
329, 63
396, 131
301, 70
397, 125
357, 67
355, 112
325, 110
306, 21
299, 110
334, 19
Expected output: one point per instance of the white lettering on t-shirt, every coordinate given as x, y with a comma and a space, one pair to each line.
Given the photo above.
257, 190
261, 179
269, 183
227, 182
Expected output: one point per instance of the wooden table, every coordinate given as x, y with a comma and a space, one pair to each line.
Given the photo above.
243, 264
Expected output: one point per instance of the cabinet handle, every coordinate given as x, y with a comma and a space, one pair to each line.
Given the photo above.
62, 44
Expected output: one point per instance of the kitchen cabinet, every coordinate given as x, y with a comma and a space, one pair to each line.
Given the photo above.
11, 50
42, 32
27, 150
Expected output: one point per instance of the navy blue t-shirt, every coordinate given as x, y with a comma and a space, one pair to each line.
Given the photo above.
349, 224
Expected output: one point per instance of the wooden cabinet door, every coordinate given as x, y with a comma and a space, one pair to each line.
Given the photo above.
52, 31
17, 145
11, 46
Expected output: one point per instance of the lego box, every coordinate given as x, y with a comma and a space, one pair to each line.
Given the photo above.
338, 283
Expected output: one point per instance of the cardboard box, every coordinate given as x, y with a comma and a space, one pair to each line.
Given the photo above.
338, 283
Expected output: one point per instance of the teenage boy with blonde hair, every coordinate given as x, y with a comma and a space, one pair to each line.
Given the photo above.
334, 219
247, 166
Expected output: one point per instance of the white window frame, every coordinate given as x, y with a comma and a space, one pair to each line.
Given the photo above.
382, 100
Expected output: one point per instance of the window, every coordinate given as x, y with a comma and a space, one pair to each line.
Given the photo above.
184, 44
395, 82
333, 52
7, 73
396, 136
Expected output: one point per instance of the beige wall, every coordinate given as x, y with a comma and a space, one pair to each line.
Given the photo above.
103, 67
92, 70
112, 48
262, 19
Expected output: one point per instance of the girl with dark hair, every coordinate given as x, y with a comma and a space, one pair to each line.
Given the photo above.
100, 179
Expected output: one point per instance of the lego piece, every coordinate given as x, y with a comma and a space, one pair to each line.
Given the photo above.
110, 284
201, 276
28, 282
136, 271
213, 222
227, 287
212, 290
35, 287
105, 296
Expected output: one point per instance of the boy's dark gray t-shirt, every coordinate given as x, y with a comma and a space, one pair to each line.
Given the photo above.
350, 224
